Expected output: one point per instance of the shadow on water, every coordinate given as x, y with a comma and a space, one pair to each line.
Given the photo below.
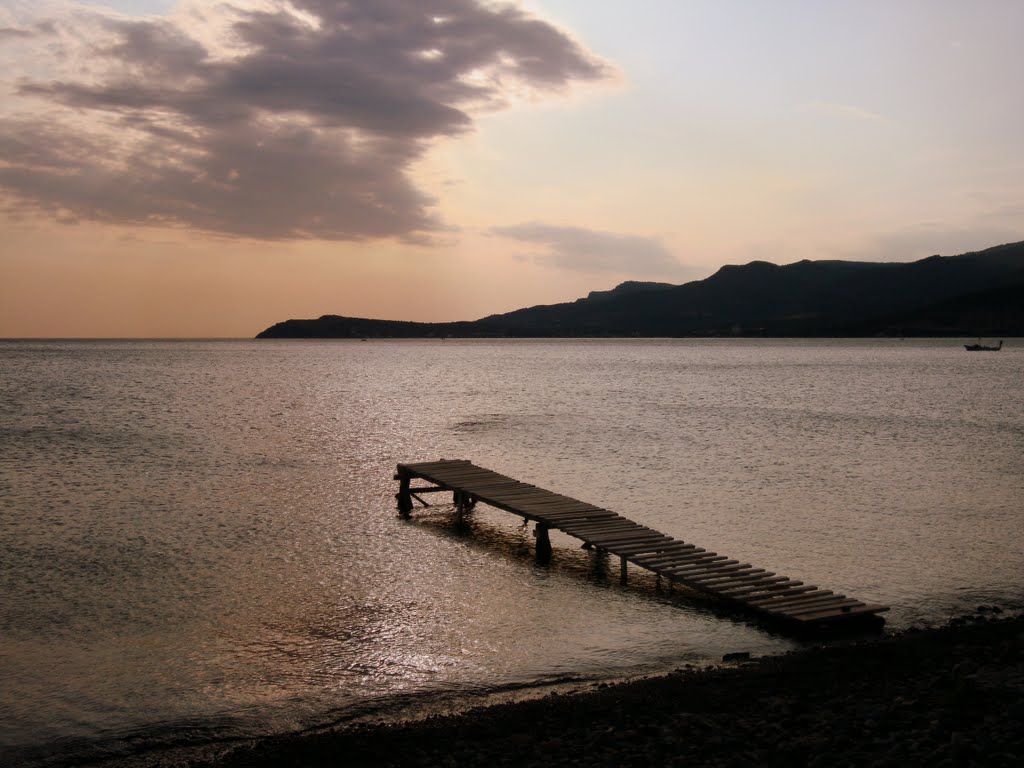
597, 567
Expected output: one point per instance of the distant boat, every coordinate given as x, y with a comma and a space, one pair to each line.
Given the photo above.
979, 347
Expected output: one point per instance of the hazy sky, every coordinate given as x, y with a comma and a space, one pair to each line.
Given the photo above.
201, 168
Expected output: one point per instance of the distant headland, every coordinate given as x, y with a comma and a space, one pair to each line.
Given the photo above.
977, 293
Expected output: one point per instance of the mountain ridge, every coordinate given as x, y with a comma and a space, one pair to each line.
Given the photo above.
937, 295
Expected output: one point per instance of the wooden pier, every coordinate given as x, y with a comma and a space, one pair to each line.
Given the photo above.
762, 592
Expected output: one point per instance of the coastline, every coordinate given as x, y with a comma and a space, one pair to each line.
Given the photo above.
952, 695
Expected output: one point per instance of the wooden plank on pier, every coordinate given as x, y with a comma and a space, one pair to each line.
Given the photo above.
829, 616
639, 552
797, 588
582, 512
623, 539
664, 555
741, 584
693, 563
683, 564
595, 527
737, 590
812, 595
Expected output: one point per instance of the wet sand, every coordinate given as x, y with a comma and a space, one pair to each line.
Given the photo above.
950, 696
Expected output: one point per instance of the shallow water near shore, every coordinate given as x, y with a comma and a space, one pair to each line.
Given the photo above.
200, 542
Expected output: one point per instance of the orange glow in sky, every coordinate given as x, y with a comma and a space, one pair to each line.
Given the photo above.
204, 169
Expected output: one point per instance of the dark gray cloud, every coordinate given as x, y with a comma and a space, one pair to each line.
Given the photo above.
310, 131
13, 33
17, 33
588, 250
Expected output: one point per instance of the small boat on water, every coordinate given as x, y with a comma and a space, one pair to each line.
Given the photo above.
979, 347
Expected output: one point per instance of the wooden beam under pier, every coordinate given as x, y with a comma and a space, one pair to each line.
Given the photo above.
753, 589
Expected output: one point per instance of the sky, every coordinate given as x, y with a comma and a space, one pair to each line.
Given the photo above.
205, 169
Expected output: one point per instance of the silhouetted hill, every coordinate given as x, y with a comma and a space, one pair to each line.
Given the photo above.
630, 286
993, 312
338, 327
974, 293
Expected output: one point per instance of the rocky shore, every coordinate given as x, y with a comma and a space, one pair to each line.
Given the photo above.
950, 696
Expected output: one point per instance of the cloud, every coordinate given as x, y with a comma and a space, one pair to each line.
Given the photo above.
303, 123
39, 29
13, 33
589, 250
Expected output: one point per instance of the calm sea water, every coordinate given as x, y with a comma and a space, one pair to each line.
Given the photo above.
199, 541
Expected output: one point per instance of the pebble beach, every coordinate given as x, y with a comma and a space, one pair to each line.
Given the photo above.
944, 696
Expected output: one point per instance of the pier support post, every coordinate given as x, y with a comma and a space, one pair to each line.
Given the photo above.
403, 495
540, 532
463, 499
623, 578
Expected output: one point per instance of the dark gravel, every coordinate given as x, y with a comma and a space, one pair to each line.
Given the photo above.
950, 696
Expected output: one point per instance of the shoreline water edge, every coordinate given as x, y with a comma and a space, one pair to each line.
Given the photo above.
945, 696
204, 566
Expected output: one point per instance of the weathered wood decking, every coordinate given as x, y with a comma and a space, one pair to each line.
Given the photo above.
754, 589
